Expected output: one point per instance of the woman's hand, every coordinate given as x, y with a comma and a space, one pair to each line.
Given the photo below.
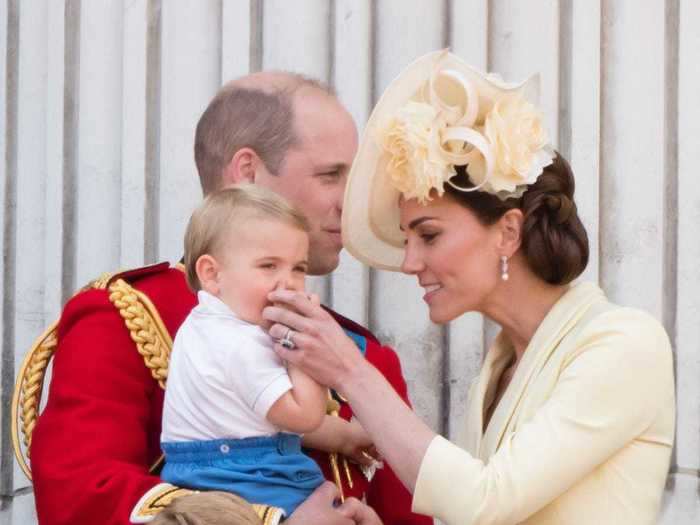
329, 356
323, 350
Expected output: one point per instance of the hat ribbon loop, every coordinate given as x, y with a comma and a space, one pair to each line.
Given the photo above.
458, 126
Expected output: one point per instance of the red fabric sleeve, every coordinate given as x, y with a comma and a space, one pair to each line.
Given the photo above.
386, 494
99, 432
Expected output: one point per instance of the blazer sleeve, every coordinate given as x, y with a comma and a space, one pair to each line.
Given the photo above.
386, 494
615, 383
95, 440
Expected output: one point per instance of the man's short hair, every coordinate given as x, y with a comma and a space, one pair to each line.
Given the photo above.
208, 508
225, 208
241, 116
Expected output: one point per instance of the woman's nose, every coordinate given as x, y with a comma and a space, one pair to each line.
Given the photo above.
412, 262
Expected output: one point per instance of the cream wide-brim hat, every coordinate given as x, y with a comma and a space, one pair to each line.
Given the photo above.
370, 221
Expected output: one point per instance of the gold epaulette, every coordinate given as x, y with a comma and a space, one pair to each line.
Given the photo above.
145, 327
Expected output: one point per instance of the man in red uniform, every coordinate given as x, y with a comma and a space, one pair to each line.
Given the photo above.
99, 433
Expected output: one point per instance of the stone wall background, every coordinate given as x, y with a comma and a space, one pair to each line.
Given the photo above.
97, 114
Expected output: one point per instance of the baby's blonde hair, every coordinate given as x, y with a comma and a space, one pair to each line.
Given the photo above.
225, 208
208, 508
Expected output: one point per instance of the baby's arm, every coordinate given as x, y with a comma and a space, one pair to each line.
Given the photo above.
348, 438
302, 408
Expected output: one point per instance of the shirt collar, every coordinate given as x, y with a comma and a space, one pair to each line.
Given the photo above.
210, 304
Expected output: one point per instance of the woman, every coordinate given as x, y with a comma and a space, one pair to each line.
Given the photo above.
572, 417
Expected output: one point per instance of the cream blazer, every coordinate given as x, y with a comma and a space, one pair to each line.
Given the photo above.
582, 435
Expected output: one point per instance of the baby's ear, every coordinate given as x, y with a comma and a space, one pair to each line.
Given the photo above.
207, 269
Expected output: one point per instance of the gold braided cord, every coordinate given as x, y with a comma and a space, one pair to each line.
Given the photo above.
33, 385
145, 327
333, 410
29, 385
27, 394
157, 465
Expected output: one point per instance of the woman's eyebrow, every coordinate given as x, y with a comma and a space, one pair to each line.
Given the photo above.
416, 222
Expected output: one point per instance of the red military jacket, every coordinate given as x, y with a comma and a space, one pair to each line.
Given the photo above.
100, 431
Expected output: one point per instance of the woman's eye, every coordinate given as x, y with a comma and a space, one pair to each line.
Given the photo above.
428, 237
268, 266
300, 269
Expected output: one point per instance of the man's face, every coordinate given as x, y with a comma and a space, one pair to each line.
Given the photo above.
313, 174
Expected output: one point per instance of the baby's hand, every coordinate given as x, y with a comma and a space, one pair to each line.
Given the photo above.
357, 444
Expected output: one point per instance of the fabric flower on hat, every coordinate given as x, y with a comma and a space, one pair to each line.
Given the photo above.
503, 143
416, 165
518, 140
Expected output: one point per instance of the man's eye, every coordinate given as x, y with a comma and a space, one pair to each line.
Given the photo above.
329, 177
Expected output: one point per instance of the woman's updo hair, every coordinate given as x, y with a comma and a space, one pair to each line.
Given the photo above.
554, 241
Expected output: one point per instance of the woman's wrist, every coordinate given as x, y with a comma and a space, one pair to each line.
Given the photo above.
353, 381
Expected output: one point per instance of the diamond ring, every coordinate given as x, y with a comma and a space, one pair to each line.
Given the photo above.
286, 341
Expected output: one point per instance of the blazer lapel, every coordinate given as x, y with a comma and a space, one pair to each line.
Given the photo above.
473, 430
558, 322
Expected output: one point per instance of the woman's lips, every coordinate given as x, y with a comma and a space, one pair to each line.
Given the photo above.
430, 292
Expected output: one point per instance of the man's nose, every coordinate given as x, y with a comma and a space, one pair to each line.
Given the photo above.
340, 194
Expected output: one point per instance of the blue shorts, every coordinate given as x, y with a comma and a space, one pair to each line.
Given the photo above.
270, 470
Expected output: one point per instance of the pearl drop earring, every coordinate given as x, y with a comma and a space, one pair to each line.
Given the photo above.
504, 268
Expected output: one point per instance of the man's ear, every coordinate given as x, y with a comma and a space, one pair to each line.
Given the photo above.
207, 269
511, 229
242, 168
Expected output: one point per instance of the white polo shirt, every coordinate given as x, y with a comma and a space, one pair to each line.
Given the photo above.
224, 376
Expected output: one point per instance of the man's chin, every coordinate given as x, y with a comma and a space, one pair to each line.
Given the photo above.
324, 265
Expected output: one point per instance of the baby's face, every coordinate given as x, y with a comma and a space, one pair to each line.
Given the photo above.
258, 257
